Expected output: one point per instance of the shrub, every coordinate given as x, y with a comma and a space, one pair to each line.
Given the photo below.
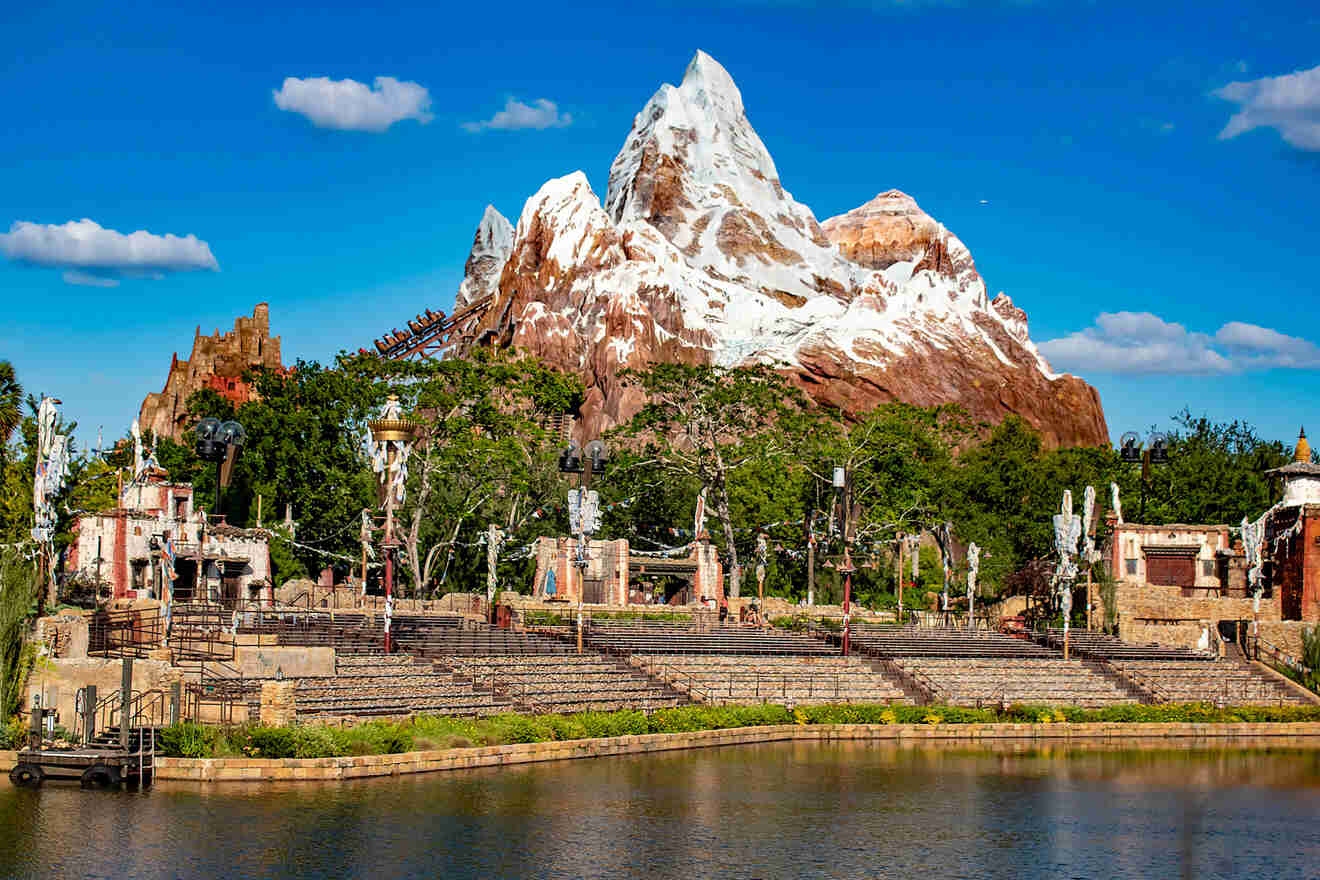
272, 742
318, 742
443, 728
625, 723
14, 734
1311, 656
519, 729
187, 739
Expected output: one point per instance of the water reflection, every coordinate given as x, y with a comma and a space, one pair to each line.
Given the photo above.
781, 810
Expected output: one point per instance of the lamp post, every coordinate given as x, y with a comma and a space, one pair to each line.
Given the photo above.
583, 511
220, 442
391, 437
1155, 452
844, 498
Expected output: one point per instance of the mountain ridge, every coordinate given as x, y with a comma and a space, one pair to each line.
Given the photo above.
698, 254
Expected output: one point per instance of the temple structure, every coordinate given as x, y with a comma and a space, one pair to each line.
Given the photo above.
1178, 584
614, 575
155, 540
217, 362
1291, 547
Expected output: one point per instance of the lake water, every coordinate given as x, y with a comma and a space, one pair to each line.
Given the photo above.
780, 810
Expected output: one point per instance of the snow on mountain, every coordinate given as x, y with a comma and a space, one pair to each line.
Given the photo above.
490, 251
699, 255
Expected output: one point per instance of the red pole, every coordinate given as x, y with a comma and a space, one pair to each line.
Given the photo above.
847, 597
389, 585
389, 556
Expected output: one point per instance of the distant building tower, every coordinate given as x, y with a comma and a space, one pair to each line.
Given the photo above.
217, 362
1291, 536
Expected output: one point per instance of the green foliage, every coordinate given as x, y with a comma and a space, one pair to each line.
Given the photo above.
187, 739
304, 449
426, 732
18, 590
485, 454
1216, 473
710, 425
11, 406
1311, 656
1108, 591
13, 733
633, 616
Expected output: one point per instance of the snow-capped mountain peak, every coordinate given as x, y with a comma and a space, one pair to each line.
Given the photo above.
700, 255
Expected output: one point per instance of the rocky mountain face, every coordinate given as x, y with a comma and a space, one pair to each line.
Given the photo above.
698, 254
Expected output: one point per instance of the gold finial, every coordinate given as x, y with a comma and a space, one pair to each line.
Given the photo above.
1303, 451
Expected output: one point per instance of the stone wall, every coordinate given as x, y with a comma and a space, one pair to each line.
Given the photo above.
65, 634
278, 703
1161, 615
58, 681
1285, 634
264, 661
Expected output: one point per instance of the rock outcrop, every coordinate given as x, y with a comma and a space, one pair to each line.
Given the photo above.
698, 254
217, 362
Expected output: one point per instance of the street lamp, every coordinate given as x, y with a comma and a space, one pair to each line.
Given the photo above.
391, 438
583, 507
1156, 452
843, 498
220, 442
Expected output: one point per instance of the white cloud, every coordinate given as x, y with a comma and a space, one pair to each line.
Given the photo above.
540, 114
87, 279
349, 105
94, 255
1288, 103
1143, 343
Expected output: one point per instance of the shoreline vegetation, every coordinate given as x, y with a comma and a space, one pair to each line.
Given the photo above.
429, 732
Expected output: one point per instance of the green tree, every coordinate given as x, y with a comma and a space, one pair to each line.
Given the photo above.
11, 406
18, 592
1215, 474
485, 451
708, 423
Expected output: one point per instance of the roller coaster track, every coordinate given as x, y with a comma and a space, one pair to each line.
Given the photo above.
430, 334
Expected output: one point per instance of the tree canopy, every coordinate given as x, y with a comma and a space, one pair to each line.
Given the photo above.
486, 455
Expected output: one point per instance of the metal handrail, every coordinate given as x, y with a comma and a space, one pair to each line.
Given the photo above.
692, 686
1143, 682
1278, 656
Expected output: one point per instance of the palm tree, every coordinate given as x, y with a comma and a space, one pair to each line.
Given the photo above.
11, 398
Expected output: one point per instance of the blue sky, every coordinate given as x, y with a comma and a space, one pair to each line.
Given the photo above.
1083, 151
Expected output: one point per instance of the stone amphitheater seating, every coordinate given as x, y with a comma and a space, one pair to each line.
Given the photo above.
908, 641
1235, 682
346, 633
393, 685
681, 639
1095, 644
727, 678
987, 681
418, 636
564, 683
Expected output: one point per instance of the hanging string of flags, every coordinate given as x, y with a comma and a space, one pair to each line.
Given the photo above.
280, 536
668, 551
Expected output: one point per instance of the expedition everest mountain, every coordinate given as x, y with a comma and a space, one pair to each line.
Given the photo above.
699, 255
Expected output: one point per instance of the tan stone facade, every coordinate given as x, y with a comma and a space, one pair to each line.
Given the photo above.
217, 362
